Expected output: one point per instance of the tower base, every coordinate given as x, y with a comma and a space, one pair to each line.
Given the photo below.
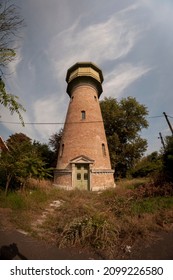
84, 179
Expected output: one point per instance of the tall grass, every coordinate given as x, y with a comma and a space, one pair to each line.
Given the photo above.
151, 205
131, 183
14, 201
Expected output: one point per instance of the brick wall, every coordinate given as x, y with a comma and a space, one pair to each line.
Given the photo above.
84, 137
84, 133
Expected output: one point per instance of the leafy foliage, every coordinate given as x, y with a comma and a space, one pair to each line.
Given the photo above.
10, 23
47, 155
22, 161
54, 143
147, 165
10, 101
123, 122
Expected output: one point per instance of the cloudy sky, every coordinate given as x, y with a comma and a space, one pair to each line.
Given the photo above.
130, 40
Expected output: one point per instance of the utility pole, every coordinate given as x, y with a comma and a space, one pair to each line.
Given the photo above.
162, 141
166, 117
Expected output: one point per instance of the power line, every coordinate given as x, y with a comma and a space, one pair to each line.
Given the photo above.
62, 123
156, 116
42, 123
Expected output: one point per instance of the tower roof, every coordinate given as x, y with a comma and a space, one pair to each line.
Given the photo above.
83, 70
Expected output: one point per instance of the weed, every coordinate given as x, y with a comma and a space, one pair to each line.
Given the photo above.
95, 232
132, 183
13, 201
151, 205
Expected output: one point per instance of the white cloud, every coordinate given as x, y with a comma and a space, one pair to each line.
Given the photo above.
48, 110
99, 42
12, 123
122, 77
43, 65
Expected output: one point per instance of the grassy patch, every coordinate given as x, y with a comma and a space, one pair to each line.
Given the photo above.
151, 205
131, 183
13, 200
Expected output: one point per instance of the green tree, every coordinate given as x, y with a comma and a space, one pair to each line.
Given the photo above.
22, 161
11, 162
54, 143
148, 165
18, 138
123, 123
10, 101
45, 153
10, 23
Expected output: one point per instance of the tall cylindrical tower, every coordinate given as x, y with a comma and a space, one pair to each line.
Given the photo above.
83, 160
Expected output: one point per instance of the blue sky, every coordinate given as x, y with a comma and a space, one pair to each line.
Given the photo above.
130, 40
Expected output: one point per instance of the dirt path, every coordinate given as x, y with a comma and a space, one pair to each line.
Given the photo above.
36, 225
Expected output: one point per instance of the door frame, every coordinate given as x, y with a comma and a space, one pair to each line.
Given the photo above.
83, 160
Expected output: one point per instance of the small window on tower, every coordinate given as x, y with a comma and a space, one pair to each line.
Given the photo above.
103, 149
83, 114
62, 150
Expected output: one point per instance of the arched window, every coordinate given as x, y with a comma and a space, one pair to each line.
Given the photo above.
83, 115
62, 150
103, 149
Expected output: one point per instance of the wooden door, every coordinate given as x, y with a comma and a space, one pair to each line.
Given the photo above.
82, 176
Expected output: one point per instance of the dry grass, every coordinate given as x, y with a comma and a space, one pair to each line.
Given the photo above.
45, 185
105, 222
108, 222
131, 183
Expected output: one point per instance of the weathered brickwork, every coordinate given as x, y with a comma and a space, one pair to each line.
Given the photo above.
101, 181
84, 134
64, 179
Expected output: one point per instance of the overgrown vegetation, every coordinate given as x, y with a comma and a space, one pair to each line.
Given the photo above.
147, 166
23, 161
105, 223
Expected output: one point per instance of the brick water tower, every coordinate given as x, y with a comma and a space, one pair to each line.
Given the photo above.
83, 160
